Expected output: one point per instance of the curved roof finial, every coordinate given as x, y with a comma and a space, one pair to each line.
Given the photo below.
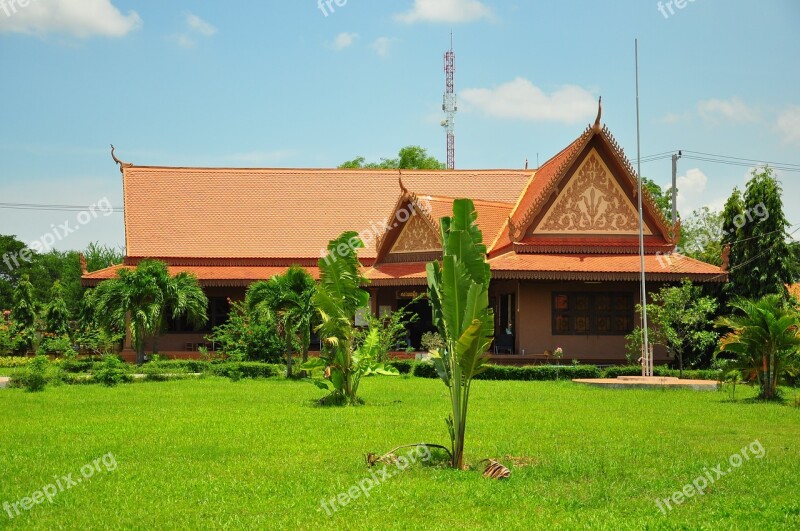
402, 187
599, 114
122, 164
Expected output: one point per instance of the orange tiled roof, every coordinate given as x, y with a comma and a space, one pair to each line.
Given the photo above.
491, 214
794, 290
412, 274
602, 267
279, 213
218, 275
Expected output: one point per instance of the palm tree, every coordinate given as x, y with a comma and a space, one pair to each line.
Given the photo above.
286, 299
764, 337
140, 299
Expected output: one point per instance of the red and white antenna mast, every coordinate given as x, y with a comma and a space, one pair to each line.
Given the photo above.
449, 105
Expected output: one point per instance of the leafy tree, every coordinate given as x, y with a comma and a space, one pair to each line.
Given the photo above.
23, 313
459, 296
765, 337
701, 236
338, 298
286, 299
409, 157
680, 318
761, 261
244, 337
142, 296
100, 256
661, 197
56, 314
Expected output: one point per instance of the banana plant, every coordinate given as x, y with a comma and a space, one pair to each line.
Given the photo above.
459, 297
338, 298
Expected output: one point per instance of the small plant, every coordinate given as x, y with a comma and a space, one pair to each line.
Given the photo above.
111, 371
432, 341
732, 378
34, 377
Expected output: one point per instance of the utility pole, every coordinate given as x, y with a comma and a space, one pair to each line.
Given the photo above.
675, 187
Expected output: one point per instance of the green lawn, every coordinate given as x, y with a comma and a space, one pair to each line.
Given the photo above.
259, 454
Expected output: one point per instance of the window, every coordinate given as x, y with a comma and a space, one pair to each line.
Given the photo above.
592, 313
217, 312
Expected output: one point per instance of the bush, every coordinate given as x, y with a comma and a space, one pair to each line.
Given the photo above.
242, 338
402, 366
74, 366
111, 371
34, 376
57, 346
424, 370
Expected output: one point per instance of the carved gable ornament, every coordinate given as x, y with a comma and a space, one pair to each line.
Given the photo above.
417, 237
592, 202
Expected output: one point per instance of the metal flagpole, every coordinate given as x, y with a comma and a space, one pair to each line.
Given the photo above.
647, 362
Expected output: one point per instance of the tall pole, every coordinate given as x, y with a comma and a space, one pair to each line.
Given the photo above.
449, 105
647, 362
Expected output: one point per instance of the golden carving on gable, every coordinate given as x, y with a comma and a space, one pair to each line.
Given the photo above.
417, 236
592, 202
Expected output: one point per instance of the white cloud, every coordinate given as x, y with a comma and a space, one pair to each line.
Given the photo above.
344, 40
381, 45
199, 25
78, 18
521, 99
789, 125
195, 26
690, 189
454, 11
730, 110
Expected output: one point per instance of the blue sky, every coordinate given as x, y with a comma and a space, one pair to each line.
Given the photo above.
282, 83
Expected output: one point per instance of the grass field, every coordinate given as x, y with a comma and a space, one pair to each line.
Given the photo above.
260, 454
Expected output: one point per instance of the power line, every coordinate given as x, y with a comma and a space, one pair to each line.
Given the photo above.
55, 207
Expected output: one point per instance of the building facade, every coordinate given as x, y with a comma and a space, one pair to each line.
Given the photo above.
562, 240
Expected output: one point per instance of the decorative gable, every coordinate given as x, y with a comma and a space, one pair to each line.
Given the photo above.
592, 202
417, 236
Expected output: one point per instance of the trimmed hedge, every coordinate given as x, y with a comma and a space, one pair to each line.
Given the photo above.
12, 362
246, 369
402, 366
526, 373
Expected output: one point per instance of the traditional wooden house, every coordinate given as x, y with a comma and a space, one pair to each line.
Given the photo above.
562, 240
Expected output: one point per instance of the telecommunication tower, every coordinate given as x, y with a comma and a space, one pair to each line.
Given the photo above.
449, 105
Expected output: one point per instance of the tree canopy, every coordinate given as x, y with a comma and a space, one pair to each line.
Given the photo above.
409, 158
761, 258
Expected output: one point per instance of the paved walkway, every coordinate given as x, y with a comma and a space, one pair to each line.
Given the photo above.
650, 382
4, 381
